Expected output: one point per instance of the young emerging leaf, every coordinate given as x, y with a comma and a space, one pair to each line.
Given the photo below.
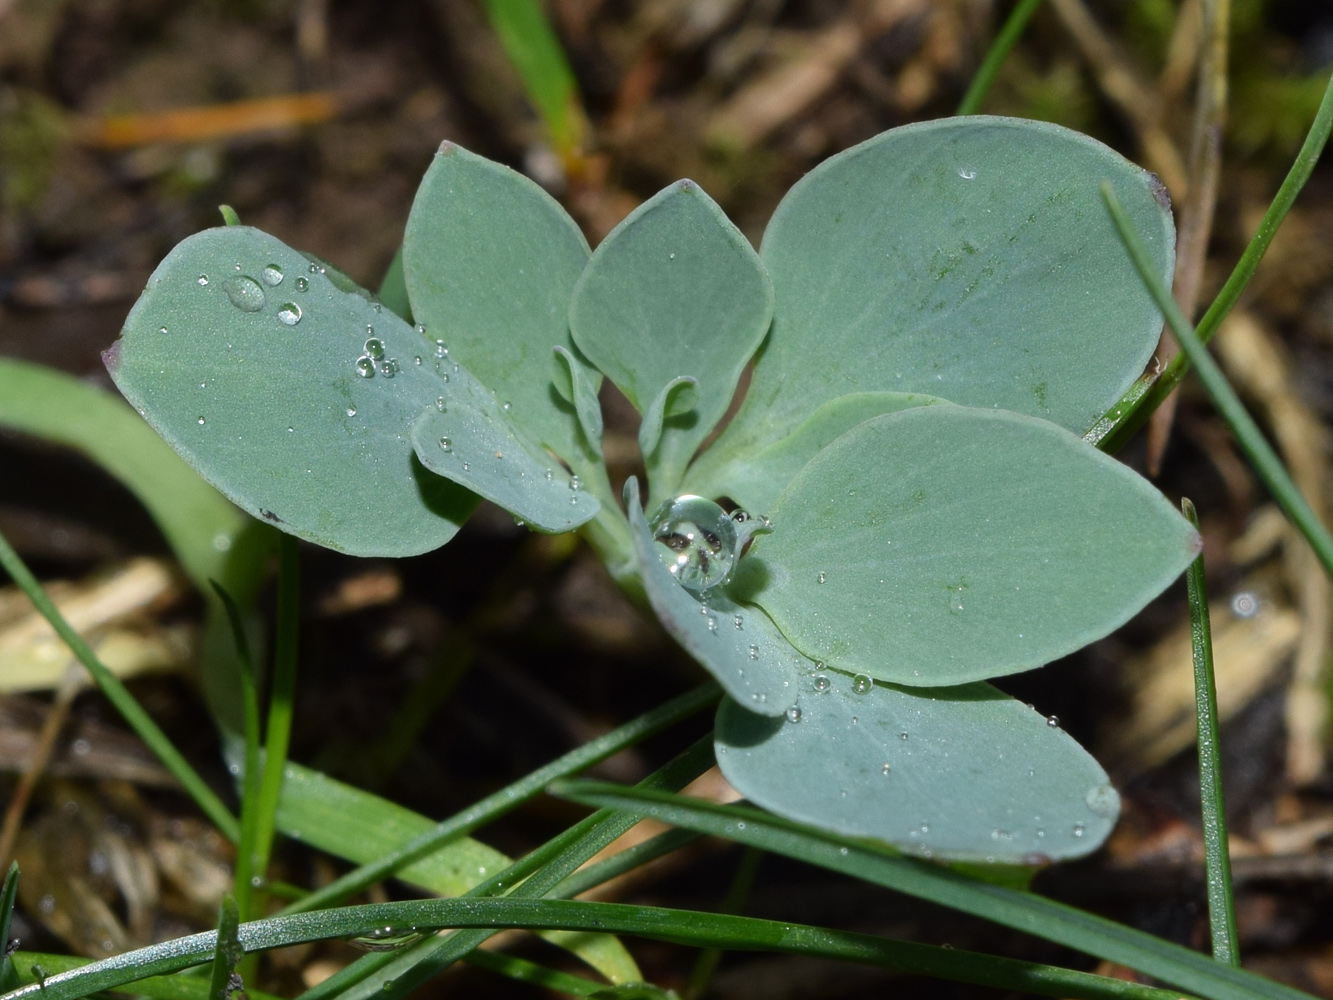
674, 290
736, 643
945, 544
754, 480
968, 258
678, 397
490, 261
963, 772
575, 383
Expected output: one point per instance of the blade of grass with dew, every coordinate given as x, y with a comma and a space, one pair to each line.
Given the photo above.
532, 876
869, 862
8, 895
173, 987
1217, 859
732, 903
245, 850
282, 695
1129, 414
535, 51
226, 953
1005, 40
687, 927
522, 971
125, 703
1265, 460
506, 799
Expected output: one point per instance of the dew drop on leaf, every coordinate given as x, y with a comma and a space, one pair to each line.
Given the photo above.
1103, 800
272, 275
754, 652
822, 683
446, 444
374, 348
696, 540
365, 367
439, 403
202, 279
1053, 722
794, 713
302, 284
862, 684
289, 314
244, 293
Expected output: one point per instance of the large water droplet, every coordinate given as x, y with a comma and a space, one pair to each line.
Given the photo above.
446, 444
862, 684
289, 314
272, 275
822, 683
696, 540
794, 713
386, 939
244, 292
1053, 722
365, 367
1103, 800
374, 348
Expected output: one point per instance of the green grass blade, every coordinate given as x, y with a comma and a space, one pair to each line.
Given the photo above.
686, 927
535, 51
1252, 441
627, 860
121, 699
1217, 859
1033, 914
8, 895
226, 953
990, 66
506, 799
183, 987
522, 971
282, 695
1130, 413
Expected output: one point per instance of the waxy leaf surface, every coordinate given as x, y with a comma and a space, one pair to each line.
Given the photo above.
968, 258
964, 772
736, 643
490, 261
674, 290
945, 544
266, 389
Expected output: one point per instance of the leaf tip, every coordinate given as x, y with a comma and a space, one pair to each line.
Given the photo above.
447, 148
111, 358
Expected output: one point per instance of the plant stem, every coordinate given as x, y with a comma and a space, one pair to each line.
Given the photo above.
1217, 859
1257, 449
1005, 39
130, 710
1129, 413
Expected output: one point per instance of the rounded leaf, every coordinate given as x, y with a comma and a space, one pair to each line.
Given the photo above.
945, 544
962, 773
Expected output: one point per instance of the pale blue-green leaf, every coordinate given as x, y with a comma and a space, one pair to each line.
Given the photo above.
754, 480
945, 544
359, 827
734, 642
470, 442
491, 260
393, 288
678, 397
575, 383
963, 772
968, 258
674, 290
266, 401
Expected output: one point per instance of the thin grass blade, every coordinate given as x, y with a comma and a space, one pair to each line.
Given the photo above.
1005, 39
8, 895
227, 952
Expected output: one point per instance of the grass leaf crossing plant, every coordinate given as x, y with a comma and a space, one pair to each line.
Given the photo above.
902, 507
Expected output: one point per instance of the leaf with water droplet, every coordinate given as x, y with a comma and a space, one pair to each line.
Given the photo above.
1009, 290
982, 775
645, 319
963, 544
576, 382
351, 485
755, 478
677, 398
723, 651
490, 261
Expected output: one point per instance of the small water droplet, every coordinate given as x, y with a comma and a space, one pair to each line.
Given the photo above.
374, 348
886, 769
671, 256
739, 622
389, 367
754, 652
967, 173
365, 367
843, 851
1078, 829
822, 576
202, 279
314, 269
861, 684
440, 350
272, 275
201, 421
822, 683
712, 624
855, 720
1103, 800
439, 403
245, 293
902, 736
925, 828
575, 483
417, 359
466, 467
289, 314
507, 407
794, 713
446, 444
302, 284
351, 411
1040, 833
161, 329
549, 474
1053, 722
